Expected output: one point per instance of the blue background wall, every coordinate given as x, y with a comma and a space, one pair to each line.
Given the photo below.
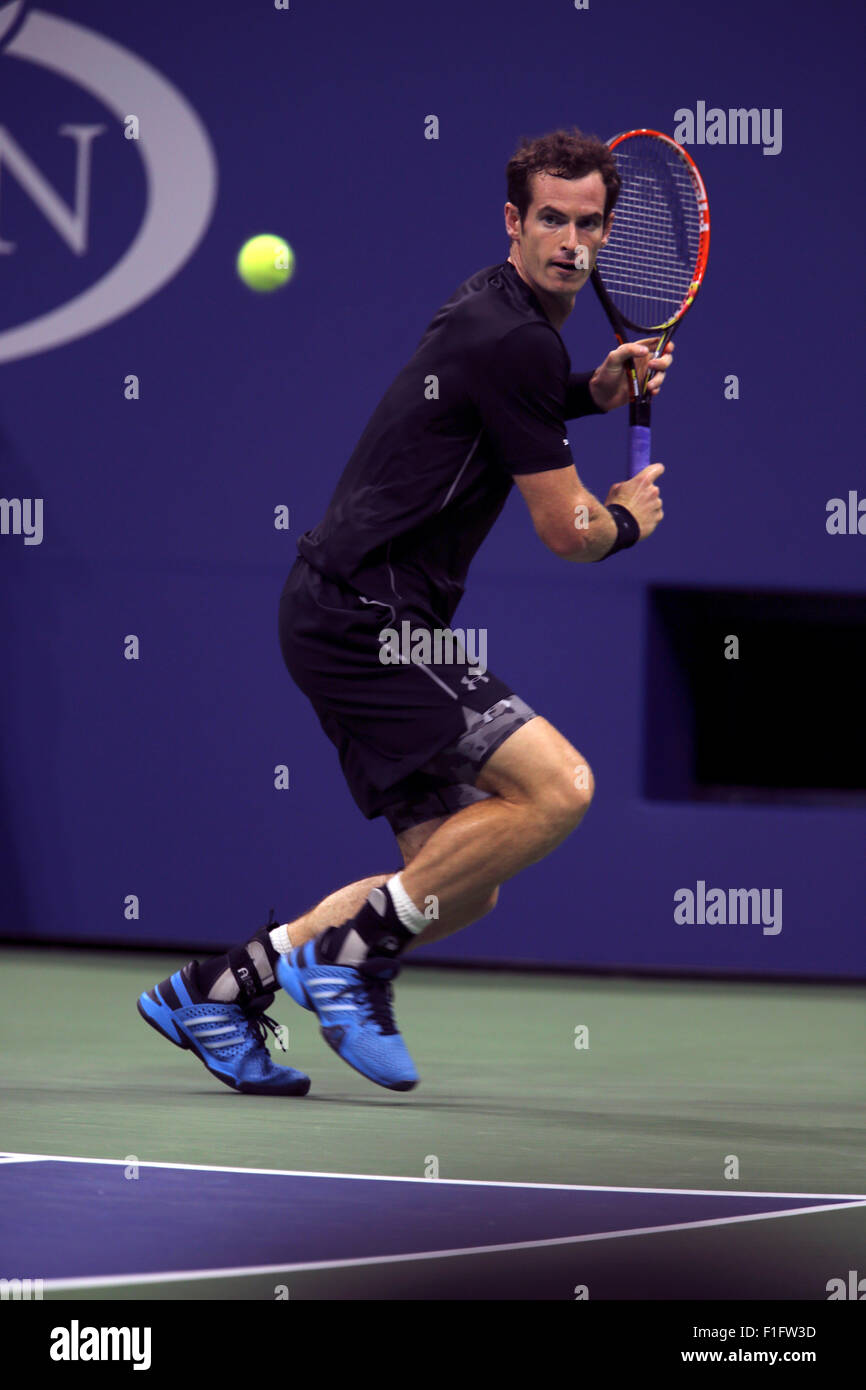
156, 777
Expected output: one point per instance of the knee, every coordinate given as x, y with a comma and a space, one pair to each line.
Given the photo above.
566, 799
485, 904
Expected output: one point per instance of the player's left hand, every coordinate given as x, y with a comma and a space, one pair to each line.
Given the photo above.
608, 384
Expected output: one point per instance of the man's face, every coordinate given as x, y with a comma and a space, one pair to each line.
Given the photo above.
565, 216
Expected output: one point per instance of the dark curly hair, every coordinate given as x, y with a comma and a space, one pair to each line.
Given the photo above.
566, 155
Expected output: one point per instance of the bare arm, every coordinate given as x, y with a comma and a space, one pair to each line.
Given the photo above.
573, 523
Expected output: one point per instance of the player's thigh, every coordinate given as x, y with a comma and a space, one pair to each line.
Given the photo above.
538, 764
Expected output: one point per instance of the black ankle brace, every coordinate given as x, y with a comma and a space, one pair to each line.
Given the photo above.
253, 966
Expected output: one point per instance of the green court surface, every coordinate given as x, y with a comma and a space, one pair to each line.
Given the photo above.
679, 1082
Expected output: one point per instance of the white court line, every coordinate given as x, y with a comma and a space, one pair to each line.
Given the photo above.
437, 1182
245, 1271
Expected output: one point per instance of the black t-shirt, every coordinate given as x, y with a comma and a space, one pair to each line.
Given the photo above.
484, 397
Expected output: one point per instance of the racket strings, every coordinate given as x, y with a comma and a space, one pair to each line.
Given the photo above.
649, 262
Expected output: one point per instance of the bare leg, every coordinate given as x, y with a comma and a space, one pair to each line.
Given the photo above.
411, 843
346, 902
333, 910
540, 789
459, 861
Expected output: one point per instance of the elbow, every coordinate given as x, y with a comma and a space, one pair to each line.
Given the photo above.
567, 545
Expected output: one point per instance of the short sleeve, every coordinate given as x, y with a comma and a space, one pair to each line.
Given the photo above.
521, 399
578, 399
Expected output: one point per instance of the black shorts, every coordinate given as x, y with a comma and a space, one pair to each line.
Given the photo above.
411, 737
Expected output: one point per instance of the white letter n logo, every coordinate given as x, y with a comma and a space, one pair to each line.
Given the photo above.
71, 224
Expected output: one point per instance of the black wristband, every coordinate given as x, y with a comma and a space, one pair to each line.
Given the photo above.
627, 530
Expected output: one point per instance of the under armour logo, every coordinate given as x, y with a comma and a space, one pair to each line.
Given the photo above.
388, 943
471, 683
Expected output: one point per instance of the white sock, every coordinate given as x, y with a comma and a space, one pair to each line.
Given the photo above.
407, 912
280, 939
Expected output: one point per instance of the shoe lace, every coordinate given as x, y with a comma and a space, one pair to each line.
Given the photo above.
375, 999
259, 1024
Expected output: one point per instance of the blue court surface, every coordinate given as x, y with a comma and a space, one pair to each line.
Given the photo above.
123, 1227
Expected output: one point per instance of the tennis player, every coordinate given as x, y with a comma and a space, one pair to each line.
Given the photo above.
474, 783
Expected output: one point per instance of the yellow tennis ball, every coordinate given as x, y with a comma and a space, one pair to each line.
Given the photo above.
266, 262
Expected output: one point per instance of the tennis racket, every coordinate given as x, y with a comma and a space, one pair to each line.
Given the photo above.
652, 267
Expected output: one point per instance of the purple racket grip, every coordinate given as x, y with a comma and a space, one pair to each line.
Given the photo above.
639, 437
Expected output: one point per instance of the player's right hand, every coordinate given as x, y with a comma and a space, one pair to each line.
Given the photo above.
641, 497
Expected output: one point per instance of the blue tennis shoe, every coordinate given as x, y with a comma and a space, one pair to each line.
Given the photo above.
354, 1008
228, 1038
